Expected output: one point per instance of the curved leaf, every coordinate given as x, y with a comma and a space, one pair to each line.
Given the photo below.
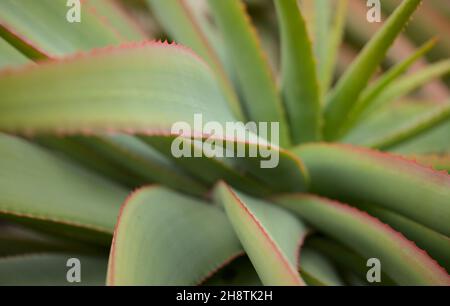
42, 26
375, 89
350, 85
50, 270
128, 89
346, 260
159, 230
398, 123
180, 21
262, 102
361, 175
407, 84
317, 270
432, 142
9, 56
399, 257
269, 235
39, 186
437, 245
300, 87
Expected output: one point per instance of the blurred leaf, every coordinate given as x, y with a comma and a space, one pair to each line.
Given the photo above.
435, 244
9, 56
374, 90
399, 257
40, 187
407, 84
112, 15
398, 123
300, 85
129, 90
138, 157
262, 102
326, 22
73, 149
346, 259
158, 230
18, 240
50, 270
185, 26
317, 270
351, 84
42, 25
432, 142
269, 235
360, 175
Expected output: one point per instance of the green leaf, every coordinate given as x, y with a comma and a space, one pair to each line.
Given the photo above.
327, 61
432, 142
112, 15
139, 158
398, 123
165, 238
40, 187
407, 84
180, 21
9, 56
269, 235
435, 244
355, 79
377, 88
213, 169
262, 102
50, 270
317, 270
130, 90
18, 240
360, 175
73, 149
300, 87
346, 259
399, 257
43, 27
325, 20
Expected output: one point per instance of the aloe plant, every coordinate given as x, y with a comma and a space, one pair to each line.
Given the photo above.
86, 115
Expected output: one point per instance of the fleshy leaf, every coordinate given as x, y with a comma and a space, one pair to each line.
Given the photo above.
407, 84
186, 27
362, 175
40, 187
9, 56
350, 85
158, 230
269, 235
399, 257
300, 87
51, 270
262, 102
395, 124
317, 270
130, 90
437, 245
375, 89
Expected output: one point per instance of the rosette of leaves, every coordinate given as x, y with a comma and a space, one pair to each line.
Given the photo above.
86, 169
